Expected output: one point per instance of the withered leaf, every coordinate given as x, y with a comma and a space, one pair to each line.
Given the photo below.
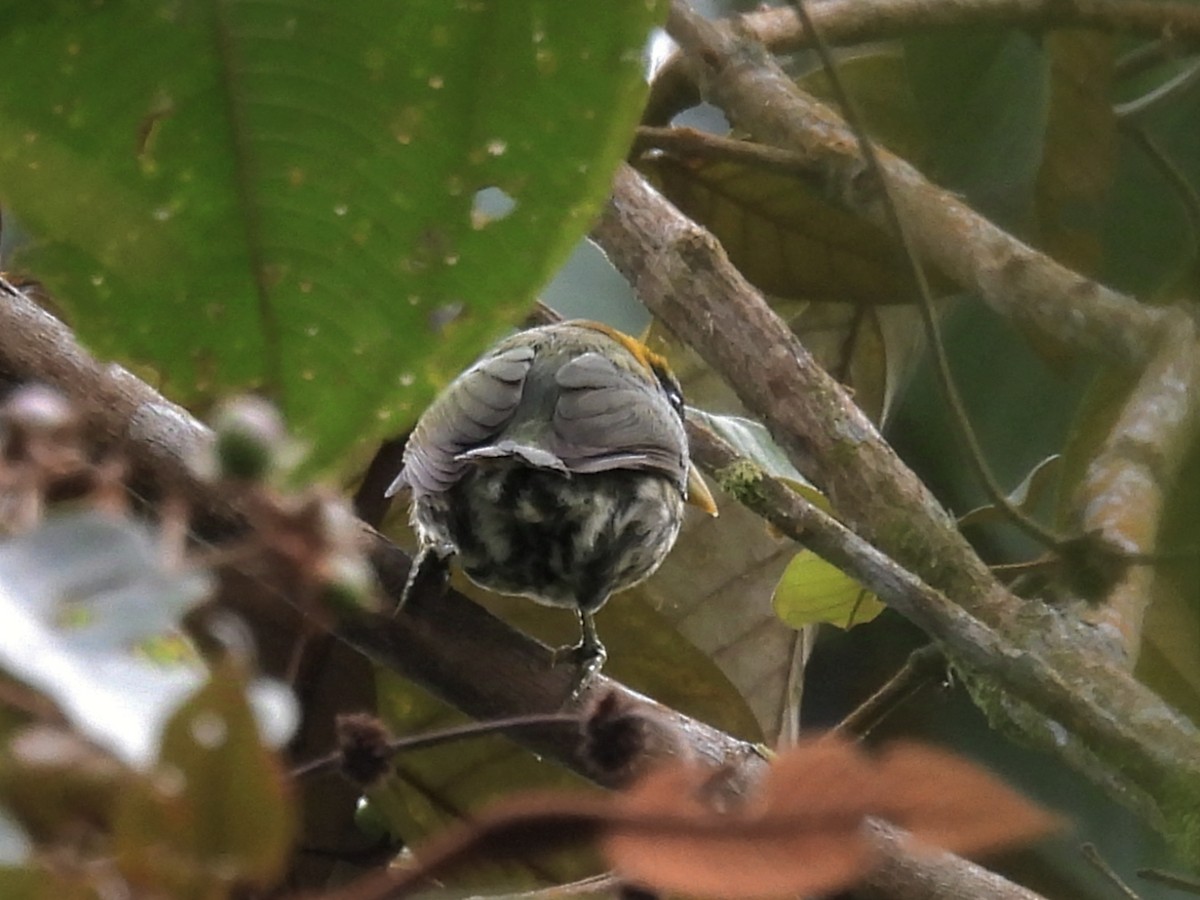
803, 830
945, 800
682, 829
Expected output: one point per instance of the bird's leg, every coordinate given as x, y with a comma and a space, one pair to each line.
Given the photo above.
588, 656
426, 578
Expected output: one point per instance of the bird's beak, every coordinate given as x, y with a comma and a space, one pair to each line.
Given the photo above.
698, 494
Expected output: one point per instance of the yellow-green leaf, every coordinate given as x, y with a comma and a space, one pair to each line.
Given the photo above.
811, 591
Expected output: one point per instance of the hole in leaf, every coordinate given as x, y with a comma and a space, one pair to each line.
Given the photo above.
491, 204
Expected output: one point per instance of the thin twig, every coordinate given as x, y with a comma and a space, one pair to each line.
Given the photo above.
1092, 855
690, 143
922, 665
1171, 89
410, 743
1187, 883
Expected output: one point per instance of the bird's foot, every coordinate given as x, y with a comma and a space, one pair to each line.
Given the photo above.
588, 659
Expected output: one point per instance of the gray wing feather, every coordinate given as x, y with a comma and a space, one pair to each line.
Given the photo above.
533, 456
607, 418
471, 411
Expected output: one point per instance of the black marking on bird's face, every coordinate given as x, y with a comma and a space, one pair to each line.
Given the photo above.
670, 385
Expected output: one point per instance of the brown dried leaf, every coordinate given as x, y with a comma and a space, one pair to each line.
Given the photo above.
683, 829
672, 839
802, 833
943, 799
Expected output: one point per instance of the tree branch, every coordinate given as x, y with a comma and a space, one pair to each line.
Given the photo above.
853, 22
932, 876
1012, 278
454, 648
1125, 489
1121, 500
1029, 666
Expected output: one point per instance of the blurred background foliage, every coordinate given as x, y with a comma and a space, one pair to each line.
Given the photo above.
341, 206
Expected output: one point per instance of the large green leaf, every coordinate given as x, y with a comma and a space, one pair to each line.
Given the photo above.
336, 203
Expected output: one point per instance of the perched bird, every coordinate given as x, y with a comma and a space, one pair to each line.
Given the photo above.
555, 468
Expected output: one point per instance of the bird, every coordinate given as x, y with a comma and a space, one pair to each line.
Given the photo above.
556, 468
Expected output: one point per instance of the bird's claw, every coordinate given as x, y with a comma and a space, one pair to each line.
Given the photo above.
588, 659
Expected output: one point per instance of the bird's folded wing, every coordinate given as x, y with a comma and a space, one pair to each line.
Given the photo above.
608, 418
472, 410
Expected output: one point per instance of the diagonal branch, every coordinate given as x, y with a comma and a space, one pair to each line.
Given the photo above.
852, 22
681, 273
1015, 280
848, 22
1031, 667
455, 648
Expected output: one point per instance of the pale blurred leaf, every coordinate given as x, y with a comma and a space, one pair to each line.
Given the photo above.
78, 596
14, 842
